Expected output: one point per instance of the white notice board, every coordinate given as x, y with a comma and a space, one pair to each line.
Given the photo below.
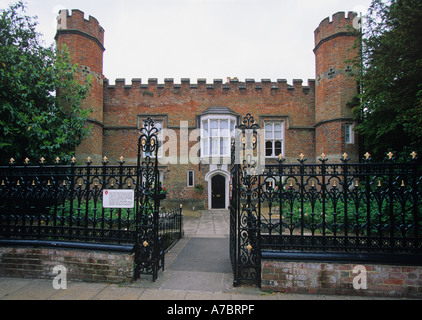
119, 199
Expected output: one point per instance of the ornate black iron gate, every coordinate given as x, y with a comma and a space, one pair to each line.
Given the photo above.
245, 247
332, 210
149, 254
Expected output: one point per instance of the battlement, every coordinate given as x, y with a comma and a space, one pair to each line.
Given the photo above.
218, 84
339, 24
76, 22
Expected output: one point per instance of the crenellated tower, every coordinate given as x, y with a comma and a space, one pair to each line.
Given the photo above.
85, 42
335, 87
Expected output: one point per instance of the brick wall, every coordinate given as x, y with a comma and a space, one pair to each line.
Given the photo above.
124, 104
90, 266
92, 146
337, 279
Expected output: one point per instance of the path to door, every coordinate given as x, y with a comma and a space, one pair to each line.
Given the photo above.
200, 261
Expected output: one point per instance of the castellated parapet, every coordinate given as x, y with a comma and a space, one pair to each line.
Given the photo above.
339, 24
76, 22
266, 85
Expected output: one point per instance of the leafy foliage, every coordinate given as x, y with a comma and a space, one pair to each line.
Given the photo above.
390, 108
40, 93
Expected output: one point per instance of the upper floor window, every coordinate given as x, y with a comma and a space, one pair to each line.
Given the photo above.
216, 135
274, 138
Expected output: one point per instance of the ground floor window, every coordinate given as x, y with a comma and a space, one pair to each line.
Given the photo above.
191, 179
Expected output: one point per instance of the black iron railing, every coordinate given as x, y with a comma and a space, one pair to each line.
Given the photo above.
105, 207
65, 203
331, 211
366, 207
170, 228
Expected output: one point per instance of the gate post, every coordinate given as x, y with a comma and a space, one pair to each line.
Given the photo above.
147, 248
234, 213
245, 216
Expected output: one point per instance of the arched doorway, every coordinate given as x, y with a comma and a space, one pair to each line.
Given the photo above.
218, 192
218, 188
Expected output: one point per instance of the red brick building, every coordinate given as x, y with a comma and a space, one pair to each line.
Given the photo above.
198, 117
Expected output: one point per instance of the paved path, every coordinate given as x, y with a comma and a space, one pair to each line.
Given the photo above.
197, 268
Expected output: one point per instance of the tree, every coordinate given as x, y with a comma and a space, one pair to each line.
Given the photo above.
36, 121
390, 105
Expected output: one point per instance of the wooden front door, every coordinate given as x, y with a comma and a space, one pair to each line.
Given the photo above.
218, 192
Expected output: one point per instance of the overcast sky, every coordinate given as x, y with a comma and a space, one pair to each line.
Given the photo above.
212, 39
